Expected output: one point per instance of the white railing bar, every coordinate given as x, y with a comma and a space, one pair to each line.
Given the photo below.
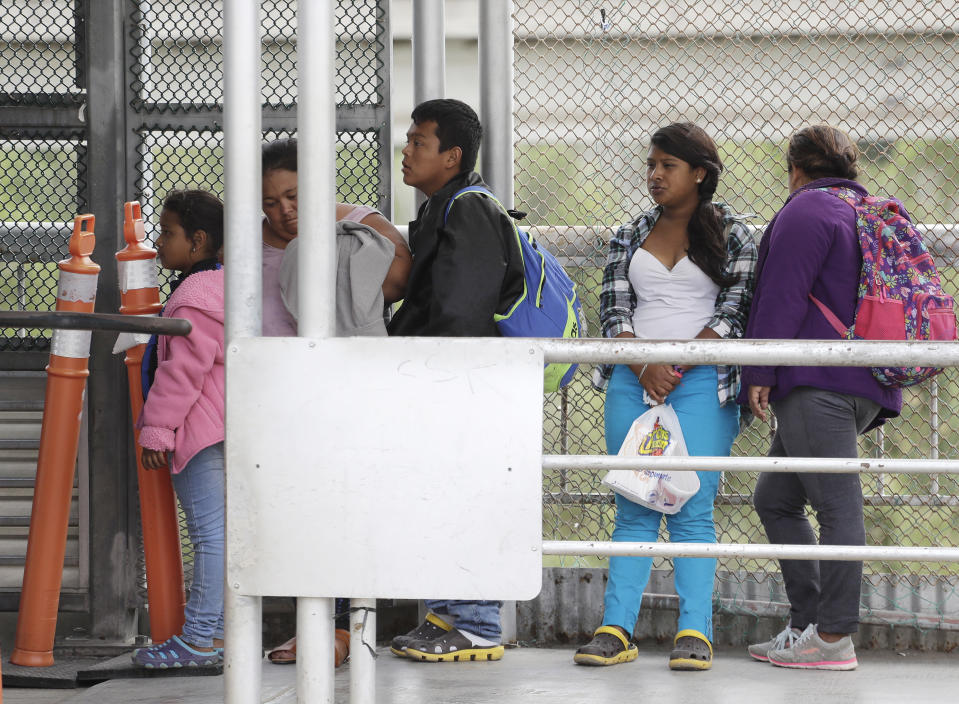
752, 551
576, 498
818, 465
834, 353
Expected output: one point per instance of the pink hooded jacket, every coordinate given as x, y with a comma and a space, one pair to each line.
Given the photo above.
184, 410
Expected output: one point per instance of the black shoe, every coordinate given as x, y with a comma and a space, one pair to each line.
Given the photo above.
691, 651
454, 646
608, 647
433, 627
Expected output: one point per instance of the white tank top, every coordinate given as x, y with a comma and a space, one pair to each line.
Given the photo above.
671, 304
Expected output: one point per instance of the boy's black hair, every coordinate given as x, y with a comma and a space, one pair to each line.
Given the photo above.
457, 125
198, 210
280, 154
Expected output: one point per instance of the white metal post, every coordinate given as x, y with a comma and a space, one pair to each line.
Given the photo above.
314, 650
496, 115
496, 96
362, 649
316, 133
429, 50
241, 149
429, 56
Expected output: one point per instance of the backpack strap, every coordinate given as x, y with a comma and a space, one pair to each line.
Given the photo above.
829, 316
463, 191
519, 244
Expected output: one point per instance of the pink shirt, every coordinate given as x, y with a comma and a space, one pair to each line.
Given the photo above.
184, 412
277, 321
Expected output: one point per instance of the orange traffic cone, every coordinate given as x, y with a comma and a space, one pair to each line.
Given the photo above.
140, 295
59, 436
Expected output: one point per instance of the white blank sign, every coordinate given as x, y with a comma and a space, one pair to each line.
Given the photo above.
384, 467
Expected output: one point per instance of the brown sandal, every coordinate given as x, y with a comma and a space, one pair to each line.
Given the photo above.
283, 654
286, 654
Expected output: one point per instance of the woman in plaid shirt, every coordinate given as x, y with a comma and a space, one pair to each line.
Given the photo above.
683, 270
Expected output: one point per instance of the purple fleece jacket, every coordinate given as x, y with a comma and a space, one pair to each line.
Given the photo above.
811, 246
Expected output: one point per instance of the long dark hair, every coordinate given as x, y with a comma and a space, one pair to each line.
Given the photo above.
707, 239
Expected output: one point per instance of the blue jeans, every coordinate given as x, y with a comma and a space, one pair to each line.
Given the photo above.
708, 429
200, 488
478, 617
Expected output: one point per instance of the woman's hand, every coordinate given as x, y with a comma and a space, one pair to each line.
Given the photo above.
658, 379
153, 459
759, 400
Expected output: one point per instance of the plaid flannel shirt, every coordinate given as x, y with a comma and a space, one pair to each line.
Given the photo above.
618, 300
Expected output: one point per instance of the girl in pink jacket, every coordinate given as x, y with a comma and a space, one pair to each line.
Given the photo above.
182, 425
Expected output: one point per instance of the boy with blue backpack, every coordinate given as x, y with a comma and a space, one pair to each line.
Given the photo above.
467, 268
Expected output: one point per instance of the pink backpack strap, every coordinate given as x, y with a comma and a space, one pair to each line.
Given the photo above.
830, 316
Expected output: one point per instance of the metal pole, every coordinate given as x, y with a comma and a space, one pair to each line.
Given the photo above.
820, 465
836, 353
362, 651
314, 648
750, 551
316, 134
429, 50
934, 431
429, 56
496, 95
241, 149
384, 177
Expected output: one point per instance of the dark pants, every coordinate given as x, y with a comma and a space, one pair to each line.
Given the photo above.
817, 423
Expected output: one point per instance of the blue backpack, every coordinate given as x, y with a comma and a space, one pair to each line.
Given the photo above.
548, 305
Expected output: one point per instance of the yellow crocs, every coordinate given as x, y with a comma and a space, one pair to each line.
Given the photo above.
691, 651
608, 647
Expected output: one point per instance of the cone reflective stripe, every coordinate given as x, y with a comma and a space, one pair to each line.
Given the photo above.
140, 295
63, 405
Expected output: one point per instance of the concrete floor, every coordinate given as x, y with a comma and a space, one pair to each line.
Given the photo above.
548, 676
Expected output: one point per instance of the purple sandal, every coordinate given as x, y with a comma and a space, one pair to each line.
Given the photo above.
174, 652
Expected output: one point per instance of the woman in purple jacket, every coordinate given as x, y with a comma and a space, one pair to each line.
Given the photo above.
811, 247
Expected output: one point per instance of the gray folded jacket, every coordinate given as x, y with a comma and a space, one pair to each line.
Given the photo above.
363, 257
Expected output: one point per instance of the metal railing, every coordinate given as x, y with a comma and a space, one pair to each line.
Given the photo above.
839, 353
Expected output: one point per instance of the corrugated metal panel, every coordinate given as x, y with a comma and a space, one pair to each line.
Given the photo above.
21, 417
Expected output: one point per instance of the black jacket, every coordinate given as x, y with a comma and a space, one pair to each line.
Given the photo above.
463, 272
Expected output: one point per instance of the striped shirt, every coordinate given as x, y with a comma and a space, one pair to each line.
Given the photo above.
618, 299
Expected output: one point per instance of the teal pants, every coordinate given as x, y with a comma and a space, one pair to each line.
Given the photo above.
708, 429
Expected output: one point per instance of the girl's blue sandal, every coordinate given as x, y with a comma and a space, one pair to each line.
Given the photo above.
175, 652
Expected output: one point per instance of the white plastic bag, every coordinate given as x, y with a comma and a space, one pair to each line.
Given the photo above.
656, 432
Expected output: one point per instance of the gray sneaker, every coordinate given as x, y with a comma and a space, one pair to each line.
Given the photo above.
810, 652
785, 639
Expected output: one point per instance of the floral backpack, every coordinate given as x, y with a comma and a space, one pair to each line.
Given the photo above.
900, 294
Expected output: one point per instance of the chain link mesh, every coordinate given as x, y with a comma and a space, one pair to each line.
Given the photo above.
176, 69
594, 79
42, 179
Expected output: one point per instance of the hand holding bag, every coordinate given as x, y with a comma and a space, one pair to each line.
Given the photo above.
655, 433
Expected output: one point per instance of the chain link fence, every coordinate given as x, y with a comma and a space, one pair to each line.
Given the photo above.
594, 79
173, 102
176, 69
42, 180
